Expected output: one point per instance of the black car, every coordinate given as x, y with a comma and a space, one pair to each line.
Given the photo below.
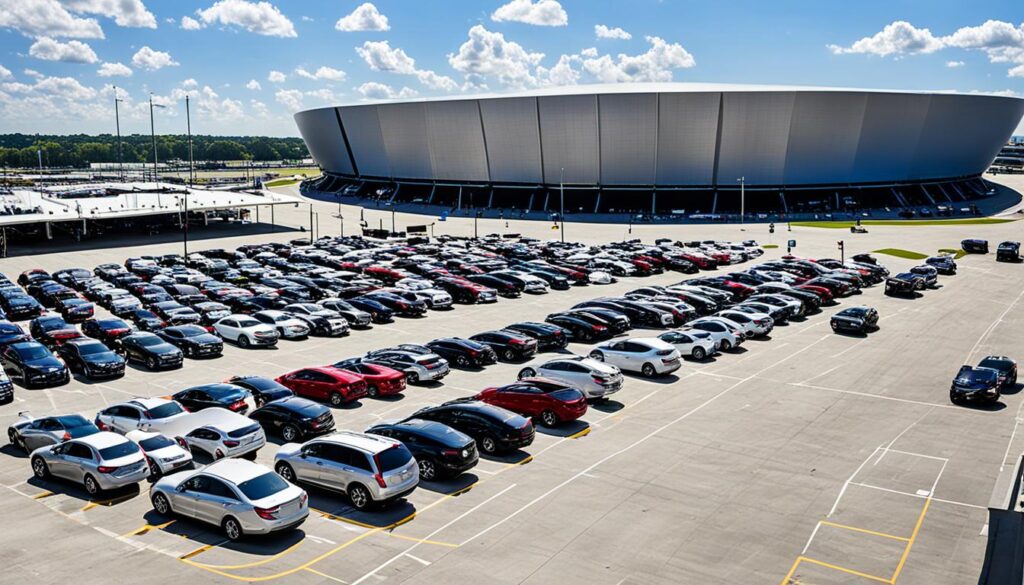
615, 322
31, 364
505, 288
400, 305
73, 277
857, 319
1006, 367
106, 330
52, 330
263, 390
441, 451
19, 307
510, 346
1008, 252
75, 310
974, 246
495, 429
555, 281
378, 312
549, 337
226, 396
248, 306
91, 358
944, 264
904, 283
193, 340
146, 320
975, 385
294, 418
11, 333
580, 327
148, 348
463, 353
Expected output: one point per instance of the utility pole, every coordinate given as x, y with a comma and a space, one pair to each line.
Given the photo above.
188, 125
152, 131
743, 199
561, 197
311, 222
117, 123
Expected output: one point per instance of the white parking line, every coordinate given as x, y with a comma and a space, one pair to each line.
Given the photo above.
879, 396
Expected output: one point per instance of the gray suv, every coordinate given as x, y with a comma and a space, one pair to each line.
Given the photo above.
368, 468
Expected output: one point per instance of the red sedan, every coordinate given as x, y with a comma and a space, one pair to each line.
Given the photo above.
380, 380
334, 385
549, 401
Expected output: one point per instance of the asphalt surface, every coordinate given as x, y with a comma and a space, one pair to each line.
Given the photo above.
810, 457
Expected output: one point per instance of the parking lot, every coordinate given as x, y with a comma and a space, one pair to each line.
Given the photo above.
808, 457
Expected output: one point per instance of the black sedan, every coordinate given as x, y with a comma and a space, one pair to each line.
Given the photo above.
974, 385
1006, 367
31, 364
505, 288
91, 358
378, 312
510, 346
20, 307
226, 396
944, 264
856, 319
75, 310
441, 451
1008, 252
106, 330
905, 283
580, 327
146, 320
974, 246
150, 349
193, 340
400, 305
51, 330
549, 337
263, 390
495, 429
294, 418
11, 333
464, 353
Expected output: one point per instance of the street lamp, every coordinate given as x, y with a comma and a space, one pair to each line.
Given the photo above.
743, 199
561, 205
117, 123
152, 131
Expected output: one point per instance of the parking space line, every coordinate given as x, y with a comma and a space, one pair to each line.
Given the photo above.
880, 396
934, 499
195, 552
422, 540
913, 538
842, 570
325, 575
42, 495
419, 560
262, 561
888, 447
864, 530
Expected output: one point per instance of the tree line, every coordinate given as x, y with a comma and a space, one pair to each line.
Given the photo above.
79, 150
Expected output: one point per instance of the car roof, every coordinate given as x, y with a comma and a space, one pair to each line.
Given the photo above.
366, 442
149, 403
235, 471
102, 440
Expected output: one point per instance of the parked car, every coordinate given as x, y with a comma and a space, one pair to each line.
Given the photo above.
147, 414
418, 367
51, 330
75, 310
106, 330
509, 345
219, 395
91, 358
12, 333
355, 317
904, 283
856, 319
975, 385
101, 461
246, 331
193, 340
321, 320
263, 390
1008, 252
33, 365
163, 454
696, 344
151, 350
441, 452
495, 429
327, 383
1006, 367
380, 380
378, 312
29, 433
370, 469
549, 401
240, 497
974, 246
724, 336
464, 353
294, 418
581, 329
549, 337
649, 356
597, 380
286, 324
944, 264
219, 433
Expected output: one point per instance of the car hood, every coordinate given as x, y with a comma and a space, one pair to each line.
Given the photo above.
45, 362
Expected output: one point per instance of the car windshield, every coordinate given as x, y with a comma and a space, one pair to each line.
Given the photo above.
94, 348
149, 341
262, 486
165, 410
566, 394
73, 421
155, 443
996, 364
33, 352
976, 375
10, 329
119, 450
393, 458
192, 331
248, 322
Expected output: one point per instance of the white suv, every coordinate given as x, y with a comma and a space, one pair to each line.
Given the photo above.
150, 414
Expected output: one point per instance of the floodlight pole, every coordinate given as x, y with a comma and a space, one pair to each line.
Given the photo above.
561, 204
743, 199
117, 124
152, 131
188, 126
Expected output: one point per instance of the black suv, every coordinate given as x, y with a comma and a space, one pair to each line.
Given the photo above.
441, 451
193, 340
549, 337
1008, 252
91, 358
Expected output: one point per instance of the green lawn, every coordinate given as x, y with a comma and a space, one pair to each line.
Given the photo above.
902, 222
956, 253
902, 253
770, 246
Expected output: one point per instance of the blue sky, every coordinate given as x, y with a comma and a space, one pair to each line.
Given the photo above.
247, 65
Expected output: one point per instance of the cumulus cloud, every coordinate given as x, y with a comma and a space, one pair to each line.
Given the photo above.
954, 64
488, 54
262, 18
381, 56
276, 77
379, 91
364, 18
5, 73
322, 74
132, 13
37, 18
189, 23
603, 32
114, 70
538, 13
254, 85
60, 88
896, 38
290, 99
656, 64
49, 49
147, 58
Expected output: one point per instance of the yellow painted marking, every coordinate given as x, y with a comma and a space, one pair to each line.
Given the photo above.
788, 579
325, 575
865, 531
110, 502
910, 543
579, 434
198, 551
844, 570
423, 540
524, 461
264, 561
146, 528
42, 495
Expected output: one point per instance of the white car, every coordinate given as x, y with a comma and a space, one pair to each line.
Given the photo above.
163, 454
287, 325
648, 355
600, 277
725, 337
320, 320
795, 306
531, 284
219, 433
150, 414
696, 344
751, 324
246, 331
595, 379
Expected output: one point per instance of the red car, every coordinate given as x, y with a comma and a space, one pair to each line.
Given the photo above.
823, 293
703, 262
386, 274
380, 380
549, 401
334, 385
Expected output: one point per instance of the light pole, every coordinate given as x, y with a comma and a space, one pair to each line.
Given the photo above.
743, 199
561, 202
117, 124
152, 131
188, 125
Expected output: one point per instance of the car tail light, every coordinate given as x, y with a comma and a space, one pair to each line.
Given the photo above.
106, 469
267, 513
516, 342
67, 436
599, 379
303, 499
598, 327
238, 405
380, 480
183, 444
231, 443
100, 425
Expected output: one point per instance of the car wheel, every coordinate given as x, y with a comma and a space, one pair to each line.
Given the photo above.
232, 529
412, 377
548, 418
161, 505
373, 391
509, 355
596, 355
428, 469
359, 496
835, 327
151, 363
462, 361
92, 487
698, 353
488, 444
586, 336
12, 437
285, 471
154, 469
40, 469
289, 433
648, 371
726, 345
527, 373
243, 342
336, 399
953, 398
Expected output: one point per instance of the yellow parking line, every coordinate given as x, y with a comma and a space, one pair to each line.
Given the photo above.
198, 551
865, 531
910, 543
845, 570
109, 502
523, 461
325, 575
146, 528
42, 495
423, 540
788, 579
264, 561
579, 434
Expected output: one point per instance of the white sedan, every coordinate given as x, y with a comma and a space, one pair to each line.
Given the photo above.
696, 344
287, 325
595, 379
246, 331
648, 355
163, 454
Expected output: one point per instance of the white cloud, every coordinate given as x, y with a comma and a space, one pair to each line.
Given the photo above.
259, 109
189, 83
488, 54
1017, 71
289, 98
364, 18
379, 91
37, 18
33, 74
254, 85
990, 35
322, 74
276, 77
380, 56
324, 97
131, 13
147, 58
49, 49
590, 52
954, 64
656, 64
189, 23
603, 32
5, 73
539, 13
897, 38
61, 88
262, 18
114, 70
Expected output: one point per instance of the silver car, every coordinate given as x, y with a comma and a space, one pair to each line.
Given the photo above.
219, 432
163, 454
597, 380
368, 468
418, 367
150, 414
31, 433
101, 461
239, 496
